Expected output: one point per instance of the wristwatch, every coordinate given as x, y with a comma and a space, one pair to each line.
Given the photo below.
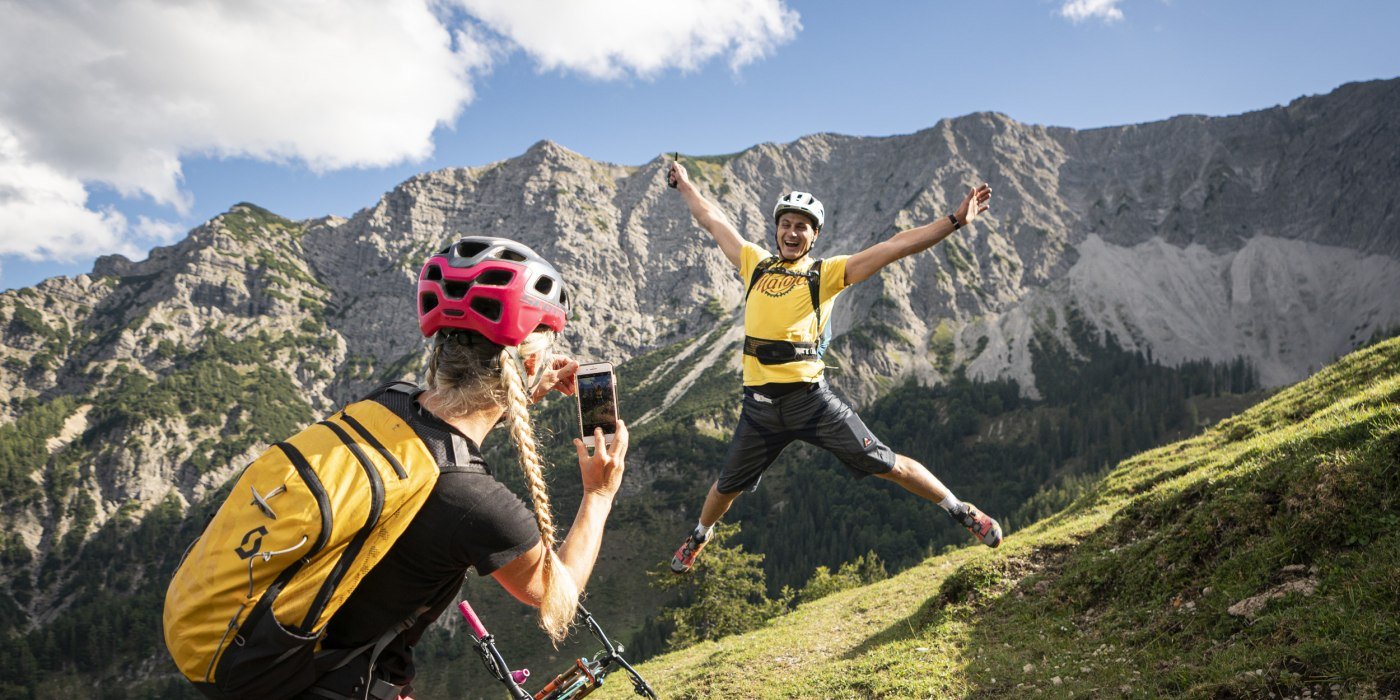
954, 219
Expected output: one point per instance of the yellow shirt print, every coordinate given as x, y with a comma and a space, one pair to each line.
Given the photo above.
780, 308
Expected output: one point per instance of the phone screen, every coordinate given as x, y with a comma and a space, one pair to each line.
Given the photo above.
597, 403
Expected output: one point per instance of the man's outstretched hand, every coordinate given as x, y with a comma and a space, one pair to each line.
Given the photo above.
676, 175
978, 199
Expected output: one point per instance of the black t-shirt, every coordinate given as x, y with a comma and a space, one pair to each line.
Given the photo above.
469, 521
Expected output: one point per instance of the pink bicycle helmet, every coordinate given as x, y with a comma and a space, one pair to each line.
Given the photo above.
494, 286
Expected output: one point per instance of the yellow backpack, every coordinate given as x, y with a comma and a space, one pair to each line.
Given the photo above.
302, 526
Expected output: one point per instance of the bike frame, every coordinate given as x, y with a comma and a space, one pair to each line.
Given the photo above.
578, 681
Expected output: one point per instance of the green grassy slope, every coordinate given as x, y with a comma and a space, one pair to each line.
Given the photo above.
1128, 592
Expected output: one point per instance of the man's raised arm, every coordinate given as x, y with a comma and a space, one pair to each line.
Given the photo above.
707, 214
866, 263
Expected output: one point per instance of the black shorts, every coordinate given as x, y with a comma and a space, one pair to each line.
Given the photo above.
814, 415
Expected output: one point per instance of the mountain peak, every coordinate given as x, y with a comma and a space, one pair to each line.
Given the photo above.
545, 148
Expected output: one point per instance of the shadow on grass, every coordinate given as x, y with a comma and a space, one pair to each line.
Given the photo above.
980, 582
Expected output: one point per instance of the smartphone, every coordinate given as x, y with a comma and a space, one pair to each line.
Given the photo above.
597, 401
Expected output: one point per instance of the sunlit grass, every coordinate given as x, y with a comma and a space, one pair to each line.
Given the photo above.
1127, 592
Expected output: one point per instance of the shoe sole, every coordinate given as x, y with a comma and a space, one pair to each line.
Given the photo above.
983, 539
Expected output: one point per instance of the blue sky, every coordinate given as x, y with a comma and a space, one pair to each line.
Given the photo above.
515, 73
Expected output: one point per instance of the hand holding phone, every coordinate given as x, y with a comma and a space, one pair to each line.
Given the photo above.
602, 470
673, 171
597, 402
559, 376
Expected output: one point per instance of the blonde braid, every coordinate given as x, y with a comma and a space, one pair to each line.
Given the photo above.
560, 602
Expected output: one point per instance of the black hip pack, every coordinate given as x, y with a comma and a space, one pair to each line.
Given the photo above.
778, 352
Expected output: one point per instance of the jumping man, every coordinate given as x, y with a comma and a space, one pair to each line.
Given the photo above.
787, 308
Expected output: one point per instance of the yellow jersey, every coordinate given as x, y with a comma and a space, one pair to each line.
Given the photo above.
779, 307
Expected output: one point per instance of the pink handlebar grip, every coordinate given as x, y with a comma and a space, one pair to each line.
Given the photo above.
478, 629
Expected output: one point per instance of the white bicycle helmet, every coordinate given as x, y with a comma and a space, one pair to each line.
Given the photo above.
802, 203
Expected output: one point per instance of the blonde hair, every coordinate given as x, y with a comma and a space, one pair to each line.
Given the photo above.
468, 372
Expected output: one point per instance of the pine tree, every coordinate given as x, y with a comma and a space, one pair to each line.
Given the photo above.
725, 594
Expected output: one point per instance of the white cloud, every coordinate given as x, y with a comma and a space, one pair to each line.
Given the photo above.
157, 232
1080, 10
118, 92
44, 214
611, 38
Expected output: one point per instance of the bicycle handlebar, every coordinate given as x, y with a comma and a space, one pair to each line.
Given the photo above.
478, 629
495, 663
584, 676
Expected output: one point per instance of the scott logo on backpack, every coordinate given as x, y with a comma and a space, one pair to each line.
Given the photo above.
259, 532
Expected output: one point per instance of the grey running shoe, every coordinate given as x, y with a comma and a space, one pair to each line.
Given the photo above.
981, 525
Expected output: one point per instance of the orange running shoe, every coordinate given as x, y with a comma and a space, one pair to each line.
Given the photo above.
684, 560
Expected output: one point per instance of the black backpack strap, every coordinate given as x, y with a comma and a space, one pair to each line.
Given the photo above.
758, 271
814, 287
395, 387
327, 661
449, 449
462, 457
403, 387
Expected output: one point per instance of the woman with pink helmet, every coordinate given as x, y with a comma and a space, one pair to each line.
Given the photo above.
492, 308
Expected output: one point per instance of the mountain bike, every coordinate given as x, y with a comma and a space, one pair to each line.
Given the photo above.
585, 676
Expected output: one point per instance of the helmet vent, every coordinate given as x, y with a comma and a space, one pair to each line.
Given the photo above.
427, 301
489, 308
452, 312
495, 278
455, 289
508, 254
544, 285
433, 274
470, 249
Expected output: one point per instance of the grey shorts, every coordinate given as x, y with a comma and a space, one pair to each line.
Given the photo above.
814, 415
